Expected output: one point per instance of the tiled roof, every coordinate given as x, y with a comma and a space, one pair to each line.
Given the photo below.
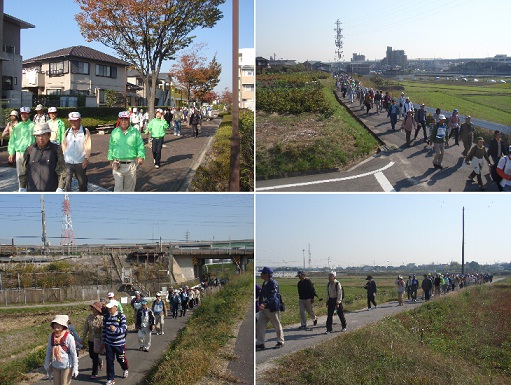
78, 51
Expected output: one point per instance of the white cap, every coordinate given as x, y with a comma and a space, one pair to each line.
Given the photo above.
135, 109
52, 109
25, 109
110, 295
332, 273
112, 303
124, 115
61, 319
41, 128
74, 116
441, 117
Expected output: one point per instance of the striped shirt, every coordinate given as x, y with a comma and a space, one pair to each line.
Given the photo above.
118, 336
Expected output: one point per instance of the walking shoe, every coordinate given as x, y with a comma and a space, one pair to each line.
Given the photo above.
125, 374
279, 345
260, 347
141, 348
110, 382
328, 331
302, 327
146, 349
315, 322
343, 329
162, 333
156, 166
93, 377
101, 366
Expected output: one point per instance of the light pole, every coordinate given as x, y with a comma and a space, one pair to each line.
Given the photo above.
234, 170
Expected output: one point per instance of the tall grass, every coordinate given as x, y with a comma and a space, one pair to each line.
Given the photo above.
205, 335
459, 339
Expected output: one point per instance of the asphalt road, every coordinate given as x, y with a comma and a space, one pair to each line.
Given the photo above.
396, 168
180, 158
243, 366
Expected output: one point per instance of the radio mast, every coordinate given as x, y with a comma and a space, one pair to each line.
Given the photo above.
338, 41
67, 237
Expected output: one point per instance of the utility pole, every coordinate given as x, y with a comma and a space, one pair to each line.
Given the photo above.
303, 253
309, 255
463, 242
43, 218
234, 174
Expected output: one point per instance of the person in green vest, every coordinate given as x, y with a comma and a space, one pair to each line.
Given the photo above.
21, 138
157, 128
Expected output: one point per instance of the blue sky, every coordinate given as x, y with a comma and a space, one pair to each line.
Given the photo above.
305, 30
367, 229
130, 218
56, 29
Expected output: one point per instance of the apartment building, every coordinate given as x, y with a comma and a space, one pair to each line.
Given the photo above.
247, 78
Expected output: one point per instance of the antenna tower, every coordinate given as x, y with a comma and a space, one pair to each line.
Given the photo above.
338, 41
67, 237
309, 255
43, 218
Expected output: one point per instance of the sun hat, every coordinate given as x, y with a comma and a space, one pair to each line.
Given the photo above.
41, 128
112, 303
97, 305
369, 277
74, 116
39, 107
332, 273
137, 292
60, 319
14, 112
480, 139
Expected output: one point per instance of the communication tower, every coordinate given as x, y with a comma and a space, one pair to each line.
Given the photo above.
309, 255
67, 237
338, 41
43, 218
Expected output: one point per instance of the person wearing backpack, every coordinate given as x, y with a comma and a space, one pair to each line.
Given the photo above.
269, 310
335, 296
145, 325
76, 147
61, 359
159, 311
114, 340
370, 286
504, 171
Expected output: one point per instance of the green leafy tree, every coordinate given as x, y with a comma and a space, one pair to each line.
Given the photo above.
110, 98
144, 33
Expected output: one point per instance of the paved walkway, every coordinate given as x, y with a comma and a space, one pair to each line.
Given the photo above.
181, 156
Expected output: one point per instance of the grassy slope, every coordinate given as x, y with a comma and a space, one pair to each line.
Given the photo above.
310, 141
464, 338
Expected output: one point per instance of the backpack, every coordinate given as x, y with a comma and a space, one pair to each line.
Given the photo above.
62, 343
69, 129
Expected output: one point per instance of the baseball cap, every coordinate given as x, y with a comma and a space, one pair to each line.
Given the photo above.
112, 303
124, 115
25, 109
300, 272
266, 270
110, 295
52, 109
441, 117
74, 116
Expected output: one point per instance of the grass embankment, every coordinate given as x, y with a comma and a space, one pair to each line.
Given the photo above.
203, 339
302, 128
355, 296
213, 175
463, 338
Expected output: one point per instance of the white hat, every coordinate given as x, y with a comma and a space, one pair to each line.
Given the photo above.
110, 295
52, 109
441, 117
39, 107
74, 116
135, 109
158, 294
159, 110
61, 319
14, 112
332, 273
25, 109
41, 128
137, 292
124, 115
112, 303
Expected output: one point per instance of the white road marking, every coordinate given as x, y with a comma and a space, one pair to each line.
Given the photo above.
384, 182
327, 180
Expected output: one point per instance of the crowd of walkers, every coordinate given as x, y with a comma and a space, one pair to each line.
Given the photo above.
105, 329
48, 155
269, 302
437, 130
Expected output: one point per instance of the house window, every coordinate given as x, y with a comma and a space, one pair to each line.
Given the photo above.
106, 71
78, 67
248, 72
9, 48
101, 96
7, 82
248, 87
55, 91
59, 68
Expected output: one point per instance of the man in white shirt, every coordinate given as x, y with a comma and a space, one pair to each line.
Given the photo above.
76, 147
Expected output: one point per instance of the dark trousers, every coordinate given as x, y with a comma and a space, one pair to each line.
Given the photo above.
370, 299
80, 173
417, 130
184, 306
331, 309
95, 358
195, 129
427, 294
157, 144
479, 177
393, 121
112, 352
456, 133
414, 293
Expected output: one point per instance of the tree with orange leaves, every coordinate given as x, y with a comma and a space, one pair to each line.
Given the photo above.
193, 74
144, 33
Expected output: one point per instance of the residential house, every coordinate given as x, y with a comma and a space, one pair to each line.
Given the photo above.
74, 71
246, 75
167, 93
10, 60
